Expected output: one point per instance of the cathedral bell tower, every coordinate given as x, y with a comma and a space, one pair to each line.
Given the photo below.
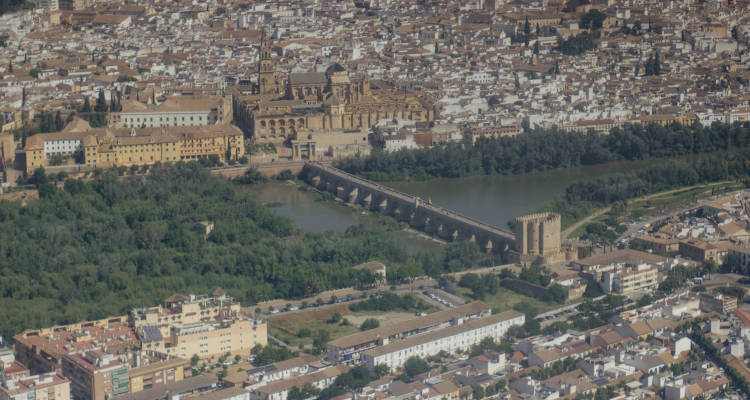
268, 80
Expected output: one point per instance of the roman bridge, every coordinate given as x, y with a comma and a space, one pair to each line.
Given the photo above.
425, 216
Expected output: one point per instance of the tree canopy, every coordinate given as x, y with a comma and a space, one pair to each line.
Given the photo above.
543, 150
98, 248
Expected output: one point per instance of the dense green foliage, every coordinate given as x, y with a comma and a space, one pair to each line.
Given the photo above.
677, 277
536, 274
487, 344
355, 378
735, 291
558, 368
712, 354
547, 149
593, 19
265, 355
576, 45
99, 248
479, 286
369, 323
580, 198
7, 6
389, 302
413, 367
307, 391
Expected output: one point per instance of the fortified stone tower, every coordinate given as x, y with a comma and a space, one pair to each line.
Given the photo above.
538, 235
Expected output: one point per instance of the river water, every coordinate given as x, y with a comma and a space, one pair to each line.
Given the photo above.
491, 199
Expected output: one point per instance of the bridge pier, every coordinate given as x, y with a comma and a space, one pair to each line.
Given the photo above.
383, 206
367, 201
353, 196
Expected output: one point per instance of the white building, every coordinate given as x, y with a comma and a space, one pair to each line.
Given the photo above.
460, 336
175, 111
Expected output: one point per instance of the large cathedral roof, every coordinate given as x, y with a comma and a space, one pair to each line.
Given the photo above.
307, 78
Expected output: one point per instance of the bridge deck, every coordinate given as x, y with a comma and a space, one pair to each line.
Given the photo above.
411, 198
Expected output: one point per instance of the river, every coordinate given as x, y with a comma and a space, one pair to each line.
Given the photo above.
491, 199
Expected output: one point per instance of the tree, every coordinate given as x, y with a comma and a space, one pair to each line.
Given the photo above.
369, 323
194, 360
10, 67
536, 47
731, 263
645, 300
382, 370
526, 29
59, 124
39, 177
251, 177
657, 65
101, 103
493, 101
320, 339
709, 267
557, 293
335, 318
593, 19
86, 108
415, 366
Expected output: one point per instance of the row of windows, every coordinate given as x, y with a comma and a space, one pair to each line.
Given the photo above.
161, 119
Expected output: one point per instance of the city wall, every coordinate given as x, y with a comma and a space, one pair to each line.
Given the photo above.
268, 170
421, 215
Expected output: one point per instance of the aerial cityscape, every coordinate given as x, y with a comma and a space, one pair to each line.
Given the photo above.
374, 199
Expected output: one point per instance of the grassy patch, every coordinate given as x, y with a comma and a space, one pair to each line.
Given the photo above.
506, 299
287, 327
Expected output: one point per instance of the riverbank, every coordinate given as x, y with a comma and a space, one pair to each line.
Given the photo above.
653, 204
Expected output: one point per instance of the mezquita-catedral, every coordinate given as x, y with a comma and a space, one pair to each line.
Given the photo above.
309, 110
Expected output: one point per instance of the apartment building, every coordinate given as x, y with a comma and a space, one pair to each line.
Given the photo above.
175, 111
10, 369
97, 375
716, 302
43, 349
701, 250
184, 326
626, 280
279, 390
348, 348
461, 336
49, 386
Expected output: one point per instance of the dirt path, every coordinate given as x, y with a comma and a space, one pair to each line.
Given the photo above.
599, 212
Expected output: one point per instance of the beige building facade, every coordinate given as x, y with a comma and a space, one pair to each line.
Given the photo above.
289, 106
184, 326
113, 147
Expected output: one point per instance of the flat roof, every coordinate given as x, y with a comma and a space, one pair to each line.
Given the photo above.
450, 331
161, 392
410, 325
